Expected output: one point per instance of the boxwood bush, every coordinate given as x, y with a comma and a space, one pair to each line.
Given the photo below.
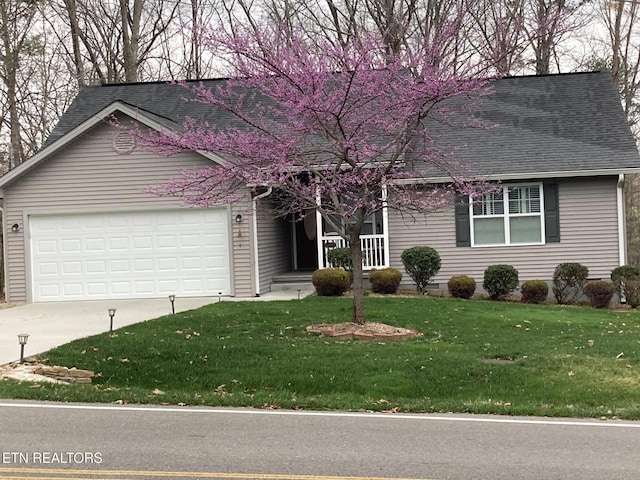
330, 282
534, 291
340, 257
461, 286
500, 280
568, 281
421, 264
621, 276
386, 280
599, 293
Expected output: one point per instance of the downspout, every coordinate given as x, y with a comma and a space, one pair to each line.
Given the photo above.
622, 234
4, 253
256, 263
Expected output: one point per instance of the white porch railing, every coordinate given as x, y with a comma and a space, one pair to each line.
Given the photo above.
373, 253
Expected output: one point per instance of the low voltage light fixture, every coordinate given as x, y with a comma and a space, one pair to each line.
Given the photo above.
22, 339
112, 312
15, 228
172, 298
238, 218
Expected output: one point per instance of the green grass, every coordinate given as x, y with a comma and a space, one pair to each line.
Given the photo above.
567, 361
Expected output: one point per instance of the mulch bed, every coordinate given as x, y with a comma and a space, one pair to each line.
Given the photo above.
367, 331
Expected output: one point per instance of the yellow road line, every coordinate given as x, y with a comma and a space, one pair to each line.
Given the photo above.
142, 473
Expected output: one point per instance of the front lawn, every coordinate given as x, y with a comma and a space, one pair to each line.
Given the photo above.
475, 356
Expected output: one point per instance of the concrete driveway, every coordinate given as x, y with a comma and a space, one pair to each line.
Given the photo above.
55, 323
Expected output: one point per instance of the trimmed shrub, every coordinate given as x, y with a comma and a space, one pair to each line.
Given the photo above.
534, 291
621, 275
500, 280
461, 286
632, 292
568, 281
340, 257
421, 263
386, 280
600, 293
330, 282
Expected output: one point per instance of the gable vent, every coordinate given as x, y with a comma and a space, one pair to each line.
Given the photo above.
123, 143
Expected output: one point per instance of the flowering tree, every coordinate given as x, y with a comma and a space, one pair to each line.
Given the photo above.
344, 129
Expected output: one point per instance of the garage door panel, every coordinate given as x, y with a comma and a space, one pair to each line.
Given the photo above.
96, 267
168, 286
71, 246
70, 268
96, 289
126, 255
94, 245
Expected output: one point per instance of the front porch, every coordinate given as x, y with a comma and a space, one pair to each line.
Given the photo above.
374, 253
288, 250
314, 237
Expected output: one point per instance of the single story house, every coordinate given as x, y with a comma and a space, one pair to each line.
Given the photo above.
79, 224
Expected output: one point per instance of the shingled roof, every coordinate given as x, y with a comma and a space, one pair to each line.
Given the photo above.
546, 125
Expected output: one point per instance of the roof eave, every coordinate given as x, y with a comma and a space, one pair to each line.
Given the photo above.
530, 175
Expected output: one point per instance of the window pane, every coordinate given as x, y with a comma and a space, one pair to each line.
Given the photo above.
489, 204
488, 231
524, 199
525, 230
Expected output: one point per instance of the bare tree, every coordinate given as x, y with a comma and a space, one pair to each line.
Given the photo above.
16, 40
115, 38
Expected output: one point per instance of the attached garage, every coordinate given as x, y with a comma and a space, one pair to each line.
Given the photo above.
80, 221
144, 254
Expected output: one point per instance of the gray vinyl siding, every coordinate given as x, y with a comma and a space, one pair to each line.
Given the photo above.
87, 175
274, 245
588, 235
241, 245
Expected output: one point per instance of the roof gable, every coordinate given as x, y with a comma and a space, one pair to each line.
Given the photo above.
52, 146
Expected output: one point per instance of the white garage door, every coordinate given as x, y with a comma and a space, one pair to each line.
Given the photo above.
130, 255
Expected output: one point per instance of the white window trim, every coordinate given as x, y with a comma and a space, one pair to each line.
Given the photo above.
506, 216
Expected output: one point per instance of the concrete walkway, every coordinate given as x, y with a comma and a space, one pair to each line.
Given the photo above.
55, 323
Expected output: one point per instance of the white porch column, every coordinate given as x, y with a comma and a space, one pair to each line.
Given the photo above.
319, 233
385, 225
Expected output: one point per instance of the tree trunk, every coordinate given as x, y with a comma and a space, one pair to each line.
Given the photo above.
130, 34
357, 288
75, 40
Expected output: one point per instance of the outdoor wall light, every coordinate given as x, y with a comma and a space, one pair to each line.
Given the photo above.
15, 228
172, 298
112, 312
238, 218
22, 339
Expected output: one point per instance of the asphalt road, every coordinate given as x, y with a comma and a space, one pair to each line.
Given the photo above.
57, 441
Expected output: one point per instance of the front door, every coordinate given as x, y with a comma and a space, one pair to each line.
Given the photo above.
306, 247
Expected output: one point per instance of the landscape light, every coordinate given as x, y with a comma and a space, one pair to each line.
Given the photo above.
112, 312
22, 339
172, 298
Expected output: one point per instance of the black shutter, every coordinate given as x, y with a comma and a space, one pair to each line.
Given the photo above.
463, 224
551, 213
